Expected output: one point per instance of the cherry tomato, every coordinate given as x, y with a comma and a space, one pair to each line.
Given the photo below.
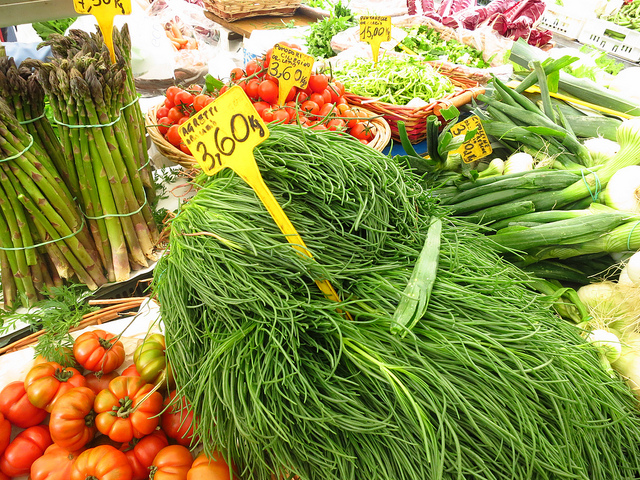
175, 114
195, 88
341, 100
260, 107
281, 116
184, 149
46, 382
169, 103
340, 87
26, 448
162, 112
318, 83
302, 96
99, 351
310, 107
350, 118
183, 119
362, 131
326, 95
16, 407
163, 125
236, 74
336, 124
267, 57
173, 136
267, 115
251, 67
292, 94
183, 98
268, 91
171, 93
334, 91
224, 89
319, 126
342, 107
252, 89
317, 98
327, 109
199, 102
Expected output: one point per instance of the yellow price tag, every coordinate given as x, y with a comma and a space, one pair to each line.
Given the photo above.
223, 134
374, 30
476, 148
291, 67
104, 11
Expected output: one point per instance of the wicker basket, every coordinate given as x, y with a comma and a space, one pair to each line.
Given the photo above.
231, 10
415, 119
112, 310
381, 128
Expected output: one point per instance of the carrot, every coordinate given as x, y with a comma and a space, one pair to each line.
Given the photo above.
175, 31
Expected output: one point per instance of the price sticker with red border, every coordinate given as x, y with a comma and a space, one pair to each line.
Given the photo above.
223, 134
104, 11
477, 147
374, 30
291, 67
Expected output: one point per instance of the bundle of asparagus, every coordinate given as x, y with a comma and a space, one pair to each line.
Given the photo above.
25, 97
43, 238
104, 148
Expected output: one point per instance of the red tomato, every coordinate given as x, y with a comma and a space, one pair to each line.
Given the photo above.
252, 89
182, 120
141, 453
336, 124
268, 91
161, 112
130, 371
199, 102
177, 420
362, 131
101, 463
327, 109
350, 118
97, 382
173, 136
175, 114
317, 98
281, 116
46, 382
224, 89
318, 83
341, 100
72, 419
291, 95
260, 107
136, 409
163, 125
267, 58
215, 468
171, 463
195, 88
183, 98
310, 107
26, 448
16, 407
5, 433
334, 91
99, 351
342, 107
171, 93
209, 100
326, 95
319, 126
267, 115
251, 67
236, 74
169, 103
55, 464
184, 149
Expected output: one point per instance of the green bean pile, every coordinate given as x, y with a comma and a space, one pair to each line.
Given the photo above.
488, 385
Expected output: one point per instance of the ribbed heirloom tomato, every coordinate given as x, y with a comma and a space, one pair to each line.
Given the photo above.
5, 433
98, 382
177, 420
151, 361
141, 453
98, 350
26, 448
72, 419
171, 463
55, 464
16, 407
101, 463
46, 382
123, 412
204, 468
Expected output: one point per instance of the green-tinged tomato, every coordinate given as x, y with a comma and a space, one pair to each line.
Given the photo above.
151, 361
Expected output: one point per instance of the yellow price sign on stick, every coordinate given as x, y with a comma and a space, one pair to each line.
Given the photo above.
223, 135
291, 67
104, 11
374, 30
477, 147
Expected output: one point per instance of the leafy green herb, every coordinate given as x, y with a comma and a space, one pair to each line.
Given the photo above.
320, 33
46, 29
429, 43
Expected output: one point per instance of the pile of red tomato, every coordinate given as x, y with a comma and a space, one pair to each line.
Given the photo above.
102, 425
321, 106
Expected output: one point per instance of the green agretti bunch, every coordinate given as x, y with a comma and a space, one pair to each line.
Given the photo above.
488, 383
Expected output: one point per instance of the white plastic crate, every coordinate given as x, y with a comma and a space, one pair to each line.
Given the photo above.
561, 22
600, 34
